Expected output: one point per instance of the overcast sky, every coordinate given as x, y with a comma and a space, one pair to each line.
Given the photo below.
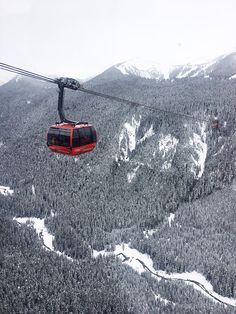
81, 38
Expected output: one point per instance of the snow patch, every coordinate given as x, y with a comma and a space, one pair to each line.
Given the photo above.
129, 257
186, 71
149, 233
171, 219
5, 190
33, 189
158, 297
233, 77
127, 139
167, 143
167, 147
145, 68
166, 165
18, 78
150, 132
28, 102
131, 175
42, 232
1, 144
200, 147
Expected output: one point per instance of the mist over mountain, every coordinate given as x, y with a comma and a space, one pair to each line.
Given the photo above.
157, 183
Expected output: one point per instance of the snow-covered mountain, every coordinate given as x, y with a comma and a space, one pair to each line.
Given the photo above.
145, 68
159, 188
222, 67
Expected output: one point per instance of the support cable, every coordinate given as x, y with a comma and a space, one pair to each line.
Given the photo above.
75, 85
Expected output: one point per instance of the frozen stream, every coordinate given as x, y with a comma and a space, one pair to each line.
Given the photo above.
138, 261
142, 262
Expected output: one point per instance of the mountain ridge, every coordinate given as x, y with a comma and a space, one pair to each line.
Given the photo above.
222, 67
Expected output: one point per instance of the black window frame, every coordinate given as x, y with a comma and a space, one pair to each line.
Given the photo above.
79, 136
62, 137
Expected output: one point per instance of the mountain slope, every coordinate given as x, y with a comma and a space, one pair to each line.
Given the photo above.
145, 167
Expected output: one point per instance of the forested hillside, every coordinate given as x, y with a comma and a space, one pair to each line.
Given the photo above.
147, 166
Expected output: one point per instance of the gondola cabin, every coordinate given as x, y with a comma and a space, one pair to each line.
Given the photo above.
71, 139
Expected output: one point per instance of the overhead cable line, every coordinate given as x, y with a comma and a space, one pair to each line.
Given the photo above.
134, 103
75, 85
16, 70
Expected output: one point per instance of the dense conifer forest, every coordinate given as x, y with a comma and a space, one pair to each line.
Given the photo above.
90, 203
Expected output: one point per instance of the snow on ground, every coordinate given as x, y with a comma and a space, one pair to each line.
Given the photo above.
145, 68
149, 233
123, 250
42, 232
158, 297
195, 276
198, 142
1, 143
28, 102
33, 189
138, 260
166, 165
220, 150
18, 78
203, 68
5, 190
127, 139
186, 71
233, 77
167, 143
150, 132
171, 218
196, 73
131, 175
167, 147
40, 229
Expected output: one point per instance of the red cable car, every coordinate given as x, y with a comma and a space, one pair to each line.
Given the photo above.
69, 137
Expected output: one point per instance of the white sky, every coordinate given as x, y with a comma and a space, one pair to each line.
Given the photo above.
81, 38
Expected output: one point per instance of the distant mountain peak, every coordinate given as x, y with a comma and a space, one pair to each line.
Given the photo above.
145, 68
223, 66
